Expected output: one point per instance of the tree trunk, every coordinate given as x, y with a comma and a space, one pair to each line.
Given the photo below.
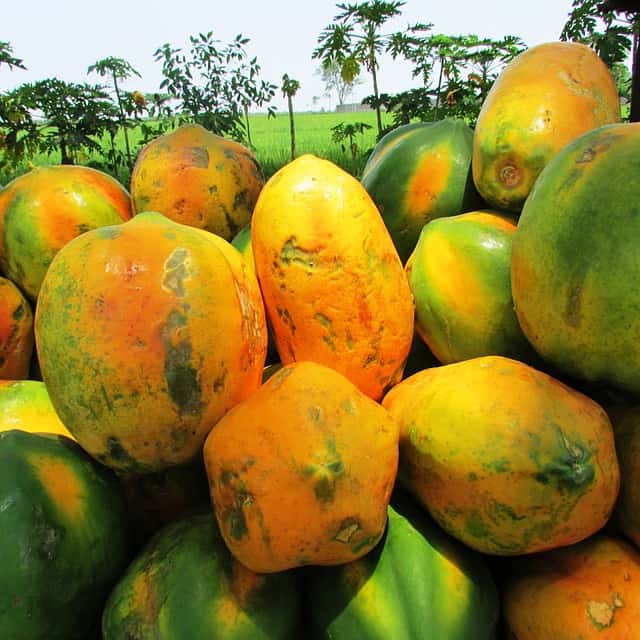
122, 121
246, 119
376, 93
65, 158
634, 115
437, 107
292, 129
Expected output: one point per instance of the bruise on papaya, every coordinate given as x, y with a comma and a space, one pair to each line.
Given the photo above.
180, 374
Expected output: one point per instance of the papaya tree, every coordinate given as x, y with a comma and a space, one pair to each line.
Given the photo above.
17, 128
214, 83
289, 89
117, 69
356, 36
611, 28
7, 58
73, 117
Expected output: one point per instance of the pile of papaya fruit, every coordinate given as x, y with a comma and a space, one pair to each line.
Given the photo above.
402, 406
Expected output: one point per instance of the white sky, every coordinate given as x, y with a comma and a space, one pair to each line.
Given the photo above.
69, 35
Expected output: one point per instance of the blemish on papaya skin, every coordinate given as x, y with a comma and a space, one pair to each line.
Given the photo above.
109, 233
233, 513
196, 157
180, 375
292, 253
177, 269
65, 488
347, 529
286, 319
509, 176
602, 614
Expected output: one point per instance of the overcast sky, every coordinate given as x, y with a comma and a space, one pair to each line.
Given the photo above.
68, 35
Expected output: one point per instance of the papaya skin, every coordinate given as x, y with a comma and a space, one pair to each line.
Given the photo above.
44, 209
544, 98
460, 277
574, 255
25, 405
197, 178
302, 471
419, 172
332, 282
16, 332
504, 457
590, 590
147, 333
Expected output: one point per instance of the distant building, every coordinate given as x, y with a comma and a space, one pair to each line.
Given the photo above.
352, 107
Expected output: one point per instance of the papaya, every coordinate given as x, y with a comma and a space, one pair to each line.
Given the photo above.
590, 590
626, 515
185, 585
45, 208
301, 472
418, 582
543, 99
147, 333
460, 277
504, 457
574, 255
197, 178
418, 172
16, 332
25, 405
65, 538
333, 285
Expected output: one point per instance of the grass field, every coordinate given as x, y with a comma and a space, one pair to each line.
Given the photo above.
270, 140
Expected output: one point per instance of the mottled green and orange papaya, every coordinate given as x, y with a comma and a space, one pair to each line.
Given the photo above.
185, 584
302, 471
333, 285
16, 332
417, 583
42, 210
504, 457
64, 538
419, 172
197, 178
147, 334
575, 259
460, 278
543, 99
590, 590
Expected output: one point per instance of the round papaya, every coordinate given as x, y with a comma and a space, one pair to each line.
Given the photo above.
505, 458
42, 210
418, 172
25, 405
460, 278
185, 585
543, 99
301, 472
147, 333
16, 332
417, 579
64, 538
333, 285
575, 257
590, 591
197, 178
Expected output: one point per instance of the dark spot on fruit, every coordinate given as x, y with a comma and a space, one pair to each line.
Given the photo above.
176, 271
510, 176
586, 156
18, 312
196, 157
109, 233
181, 376
324, 489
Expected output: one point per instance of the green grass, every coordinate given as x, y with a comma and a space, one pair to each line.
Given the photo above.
270, 141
